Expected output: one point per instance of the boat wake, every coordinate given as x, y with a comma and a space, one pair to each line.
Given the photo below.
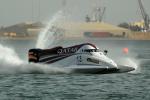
10, 63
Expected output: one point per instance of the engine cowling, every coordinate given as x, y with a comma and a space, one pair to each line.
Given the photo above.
33, 55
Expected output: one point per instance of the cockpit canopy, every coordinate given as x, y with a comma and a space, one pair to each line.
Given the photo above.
91, 50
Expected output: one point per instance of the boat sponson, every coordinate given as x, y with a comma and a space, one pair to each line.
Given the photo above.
121, 69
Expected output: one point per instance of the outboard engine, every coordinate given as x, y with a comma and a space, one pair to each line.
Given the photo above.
33, 55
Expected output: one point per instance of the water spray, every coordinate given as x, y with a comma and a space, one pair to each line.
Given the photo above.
9, 55
47, 36
10, 63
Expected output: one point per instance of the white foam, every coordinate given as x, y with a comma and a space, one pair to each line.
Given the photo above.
10, 63
9, 55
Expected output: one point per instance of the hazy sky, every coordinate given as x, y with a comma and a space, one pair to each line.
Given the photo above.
117, 11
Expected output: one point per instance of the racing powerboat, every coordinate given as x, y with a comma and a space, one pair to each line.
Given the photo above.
82, 58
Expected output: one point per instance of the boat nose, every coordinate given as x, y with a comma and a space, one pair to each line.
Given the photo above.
125, 69
132, 68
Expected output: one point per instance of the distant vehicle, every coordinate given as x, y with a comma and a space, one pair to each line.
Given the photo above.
82, 58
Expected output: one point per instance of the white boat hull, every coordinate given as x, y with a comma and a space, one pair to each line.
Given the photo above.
82, 69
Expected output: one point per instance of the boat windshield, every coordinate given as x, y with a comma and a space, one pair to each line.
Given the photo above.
91, 50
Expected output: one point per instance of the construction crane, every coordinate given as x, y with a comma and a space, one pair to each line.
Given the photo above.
97, 13
145, 16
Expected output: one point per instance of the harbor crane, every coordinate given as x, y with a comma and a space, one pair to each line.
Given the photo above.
97, 13
145, 16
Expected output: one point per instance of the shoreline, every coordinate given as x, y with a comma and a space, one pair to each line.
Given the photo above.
72, 38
